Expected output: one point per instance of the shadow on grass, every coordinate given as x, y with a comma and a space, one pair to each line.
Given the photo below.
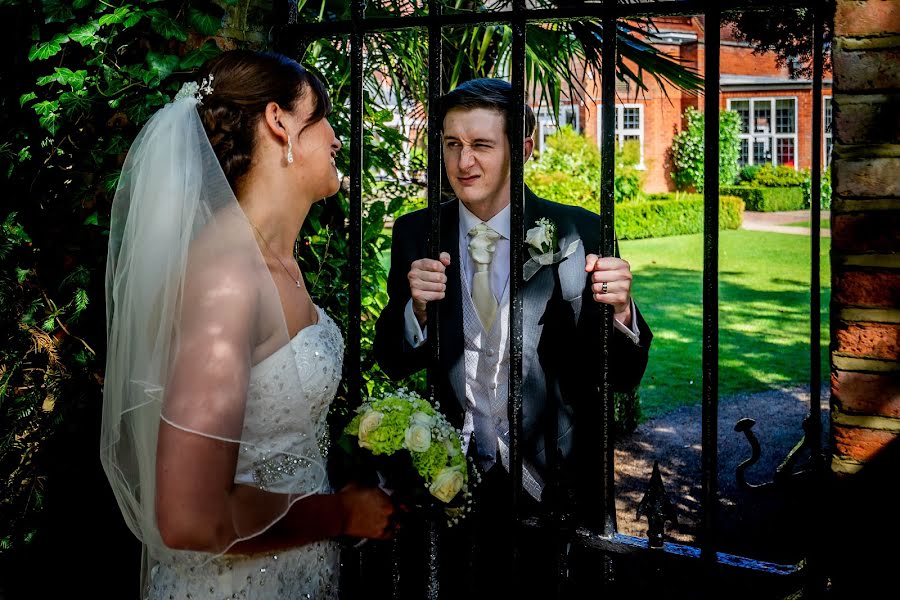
763, 335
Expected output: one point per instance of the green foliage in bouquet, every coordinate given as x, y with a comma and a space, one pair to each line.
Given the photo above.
400, 434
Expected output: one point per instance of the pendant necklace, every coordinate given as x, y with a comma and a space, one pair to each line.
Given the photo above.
272, 252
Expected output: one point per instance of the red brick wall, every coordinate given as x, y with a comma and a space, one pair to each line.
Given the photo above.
865, 322
663, 109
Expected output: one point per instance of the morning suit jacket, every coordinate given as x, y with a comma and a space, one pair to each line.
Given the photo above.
561, 333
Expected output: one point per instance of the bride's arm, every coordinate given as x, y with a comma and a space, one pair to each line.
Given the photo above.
198, 505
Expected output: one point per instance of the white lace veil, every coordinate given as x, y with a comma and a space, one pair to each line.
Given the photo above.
183, 272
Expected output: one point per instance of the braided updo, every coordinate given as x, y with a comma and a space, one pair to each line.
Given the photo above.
244, 82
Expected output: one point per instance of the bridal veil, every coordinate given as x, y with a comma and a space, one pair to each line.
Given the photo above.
183, 265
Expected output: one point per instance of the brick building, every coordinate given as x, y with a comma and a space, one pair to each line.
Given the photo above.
776, 109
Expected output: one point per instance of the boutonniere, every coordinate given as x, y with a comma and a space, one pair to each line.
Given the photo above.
541, 242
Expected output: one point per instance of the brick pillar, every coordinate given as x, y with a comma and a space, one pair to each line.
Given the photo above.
865, 318
865, 351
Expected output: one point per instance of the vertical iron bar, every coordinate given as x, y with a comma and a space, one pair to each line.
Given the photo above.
517, 240
709, 456
355, 232
356, 560
815, 297
814, 428
435, 166
607, 238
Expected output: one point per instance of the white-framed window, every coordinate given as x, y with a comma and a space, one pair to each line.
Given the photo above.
629, 126
826, 122
546, 124
768, 130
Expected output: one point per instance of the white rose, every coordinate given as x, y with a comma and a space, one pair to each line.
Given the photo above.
538, 237
447, 484
369, 423
420, 418
418, 437
451, 449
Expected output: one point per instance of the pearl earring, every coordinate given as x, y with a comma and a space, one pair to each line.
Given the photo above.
290, 152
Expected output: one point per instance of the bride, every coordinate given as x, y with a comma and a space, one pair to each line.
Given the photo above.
220, 367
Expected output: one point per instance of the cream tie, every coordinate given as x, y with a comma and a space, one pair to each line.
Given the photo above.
481, 249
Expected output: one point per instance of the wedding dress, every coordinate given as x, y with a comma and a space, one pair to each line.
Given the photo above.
271, 426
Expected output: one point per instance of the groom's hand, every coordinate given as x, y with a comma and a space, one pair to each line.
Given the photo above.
611, 284
427, 282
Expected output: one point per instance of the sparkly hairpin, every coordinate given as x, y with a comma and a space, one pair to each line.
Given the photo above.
192, 90
205, 89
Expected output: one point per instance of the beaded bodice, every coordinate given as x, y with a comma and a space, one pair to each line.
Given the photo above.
277, 423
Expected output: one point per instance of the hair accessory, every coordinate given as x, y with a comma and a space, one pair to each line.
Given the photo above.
192, 90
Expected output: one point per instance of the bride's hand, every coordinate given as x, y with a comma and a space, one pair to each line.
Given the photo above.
368, 512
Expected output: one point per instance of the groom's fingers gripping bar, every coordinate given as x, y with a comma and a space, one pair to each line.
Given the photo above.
427, 282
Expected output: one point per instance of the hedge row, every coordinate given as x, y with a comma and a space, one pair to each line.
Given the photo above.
767, 199
660, 218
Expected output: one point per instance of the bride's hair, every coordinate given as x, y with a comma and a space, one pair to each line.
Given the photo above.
243, 83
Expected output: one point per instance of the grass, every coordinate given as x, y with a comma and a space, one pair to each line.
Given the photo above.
823, 224
763, 313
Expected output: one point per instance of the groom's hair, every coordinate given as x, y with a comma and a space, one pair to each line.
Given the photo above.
495, 94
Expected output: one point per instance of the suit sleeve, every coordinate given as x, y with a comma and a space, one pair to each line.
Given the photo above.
627, 360
397, 358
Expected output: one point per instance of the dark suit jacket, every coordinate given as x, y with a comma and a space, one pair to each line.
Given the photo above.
561, 330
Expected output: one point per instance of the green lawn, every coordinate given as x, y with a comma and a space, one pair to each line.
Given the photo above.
824, 224
763, 313
763, 316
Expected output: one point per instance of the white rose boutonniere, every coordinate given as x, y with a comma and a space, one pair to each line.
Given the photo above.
541, 240
541, 237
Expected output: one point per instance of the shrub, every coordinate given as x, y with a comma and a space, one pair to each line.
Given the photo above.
687, 149
780, 176
660, 218
748, 173
767, 199
568, 171
826, 190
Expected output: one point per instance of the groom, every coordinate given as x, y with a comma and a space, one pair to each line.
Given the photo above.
562, 319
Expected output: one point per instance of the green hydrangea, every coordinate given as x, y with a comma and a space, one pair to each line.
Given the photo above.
403, 421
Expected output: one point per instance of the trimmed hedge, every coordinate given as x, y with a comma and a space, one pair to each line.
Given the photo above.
767, 199
660, 218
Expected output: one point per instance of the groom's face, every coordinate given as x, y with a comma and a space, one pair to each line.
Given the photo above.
476, 157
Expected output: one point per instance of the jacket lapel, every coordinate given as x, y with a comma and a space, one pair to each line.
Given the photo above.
536, 292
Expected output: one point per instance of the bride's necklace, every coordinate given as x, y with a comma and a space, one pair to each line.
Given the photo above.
272, 252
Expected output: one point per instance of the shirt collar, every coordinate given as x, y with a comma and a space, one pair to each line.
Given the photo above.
499, 222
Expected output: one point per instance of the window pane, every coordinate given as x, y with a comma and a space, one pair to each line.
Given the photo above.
568, 116
827, 115
762, 117
744, 156
784, 116
631, 118
761, 153
785, 148
742, 107
828, 144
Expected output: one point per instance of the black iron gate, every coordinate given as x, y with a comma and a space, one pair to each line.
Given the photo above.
608, 559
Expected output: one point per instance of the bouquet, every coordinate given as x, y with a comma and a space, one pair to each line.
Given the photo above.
414, 451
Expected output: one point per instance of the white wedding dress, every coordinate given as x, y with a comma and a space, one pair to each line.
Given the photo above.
309, 571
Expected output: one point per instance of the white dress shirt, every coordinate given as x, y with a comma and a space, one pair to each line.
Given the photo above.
416, 335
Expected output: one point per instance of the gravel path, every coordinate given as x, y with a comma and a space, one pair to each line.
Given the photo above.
763, 524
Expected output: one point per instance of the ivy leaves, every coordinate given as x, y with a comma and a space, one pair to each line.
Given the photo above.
687, 150
110, 67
